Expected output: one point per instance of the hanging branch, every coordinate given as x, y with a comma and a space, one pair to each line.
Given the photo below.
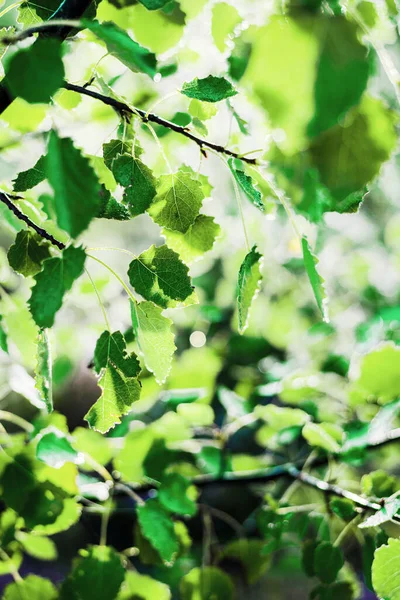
20, 215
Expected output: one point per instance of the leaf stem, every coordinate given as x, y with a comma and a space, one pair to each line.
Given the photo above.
96, 291
121, 281
16, 420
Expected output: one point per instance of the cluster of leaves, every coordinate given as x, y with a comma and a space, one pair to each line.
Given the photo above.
169, 423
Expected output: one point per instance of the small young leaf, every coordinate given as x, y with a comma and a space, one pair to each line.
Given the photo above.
173, 495
178, 201
249, 281
31, 588
328, 560
53, 282
28, 179
159, 275
209, 89
43, 371
323, 435
98, 573
248, 186
119, 383
123, 47
196, 241
27, 253
76, 188
158, 528
155, 338
37, 72
316, 281
386, 572
54, 449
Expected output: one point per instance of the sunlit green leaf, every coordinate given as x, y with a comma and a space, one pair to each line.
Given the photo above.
385, 570
209, 89
249, 281
316, 281
157, 527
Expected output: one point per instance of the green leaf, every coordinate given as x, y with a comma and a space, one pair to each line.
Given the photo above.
37, 72
37, 546
76, 188
379, 375
31, 588
196, 241
138, 180
69, 515
30, 178
225, 17
159, 276
54, 449
173, 495
53, 282
43, 370
379, 483
342, 74
247, 184
386, 572
178, 201
111, 350
119, 383
98, 573
316, 198
27, 253
250, 553
112, 209
209, 89
3, 336
328, 560
208, 582
123, 47
249, 281
155, 338
369, 130
112, 150
344, 508
143, 587
323, 435
157, 527
316, 281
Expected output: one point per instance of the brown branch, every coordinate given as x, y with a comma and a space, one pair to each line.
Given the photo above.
124, 109
22, 217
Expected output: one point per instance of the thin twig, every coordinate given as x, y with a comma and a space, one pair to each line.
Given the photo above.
22, 217
125, 109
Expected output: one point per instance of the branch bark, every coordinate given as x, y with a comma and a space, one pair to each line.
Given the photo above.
22, 217
125, 109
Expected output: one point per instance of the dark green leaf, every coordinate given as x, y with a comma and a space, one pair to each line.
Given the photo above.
28, 179
154, 4
3, 336
328, 560
159, 275
173, 495
123, 47
118, 381
98, 573
76, 188
27, 253
157, 527
37, 72
138, 180
53, 282
209, 89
